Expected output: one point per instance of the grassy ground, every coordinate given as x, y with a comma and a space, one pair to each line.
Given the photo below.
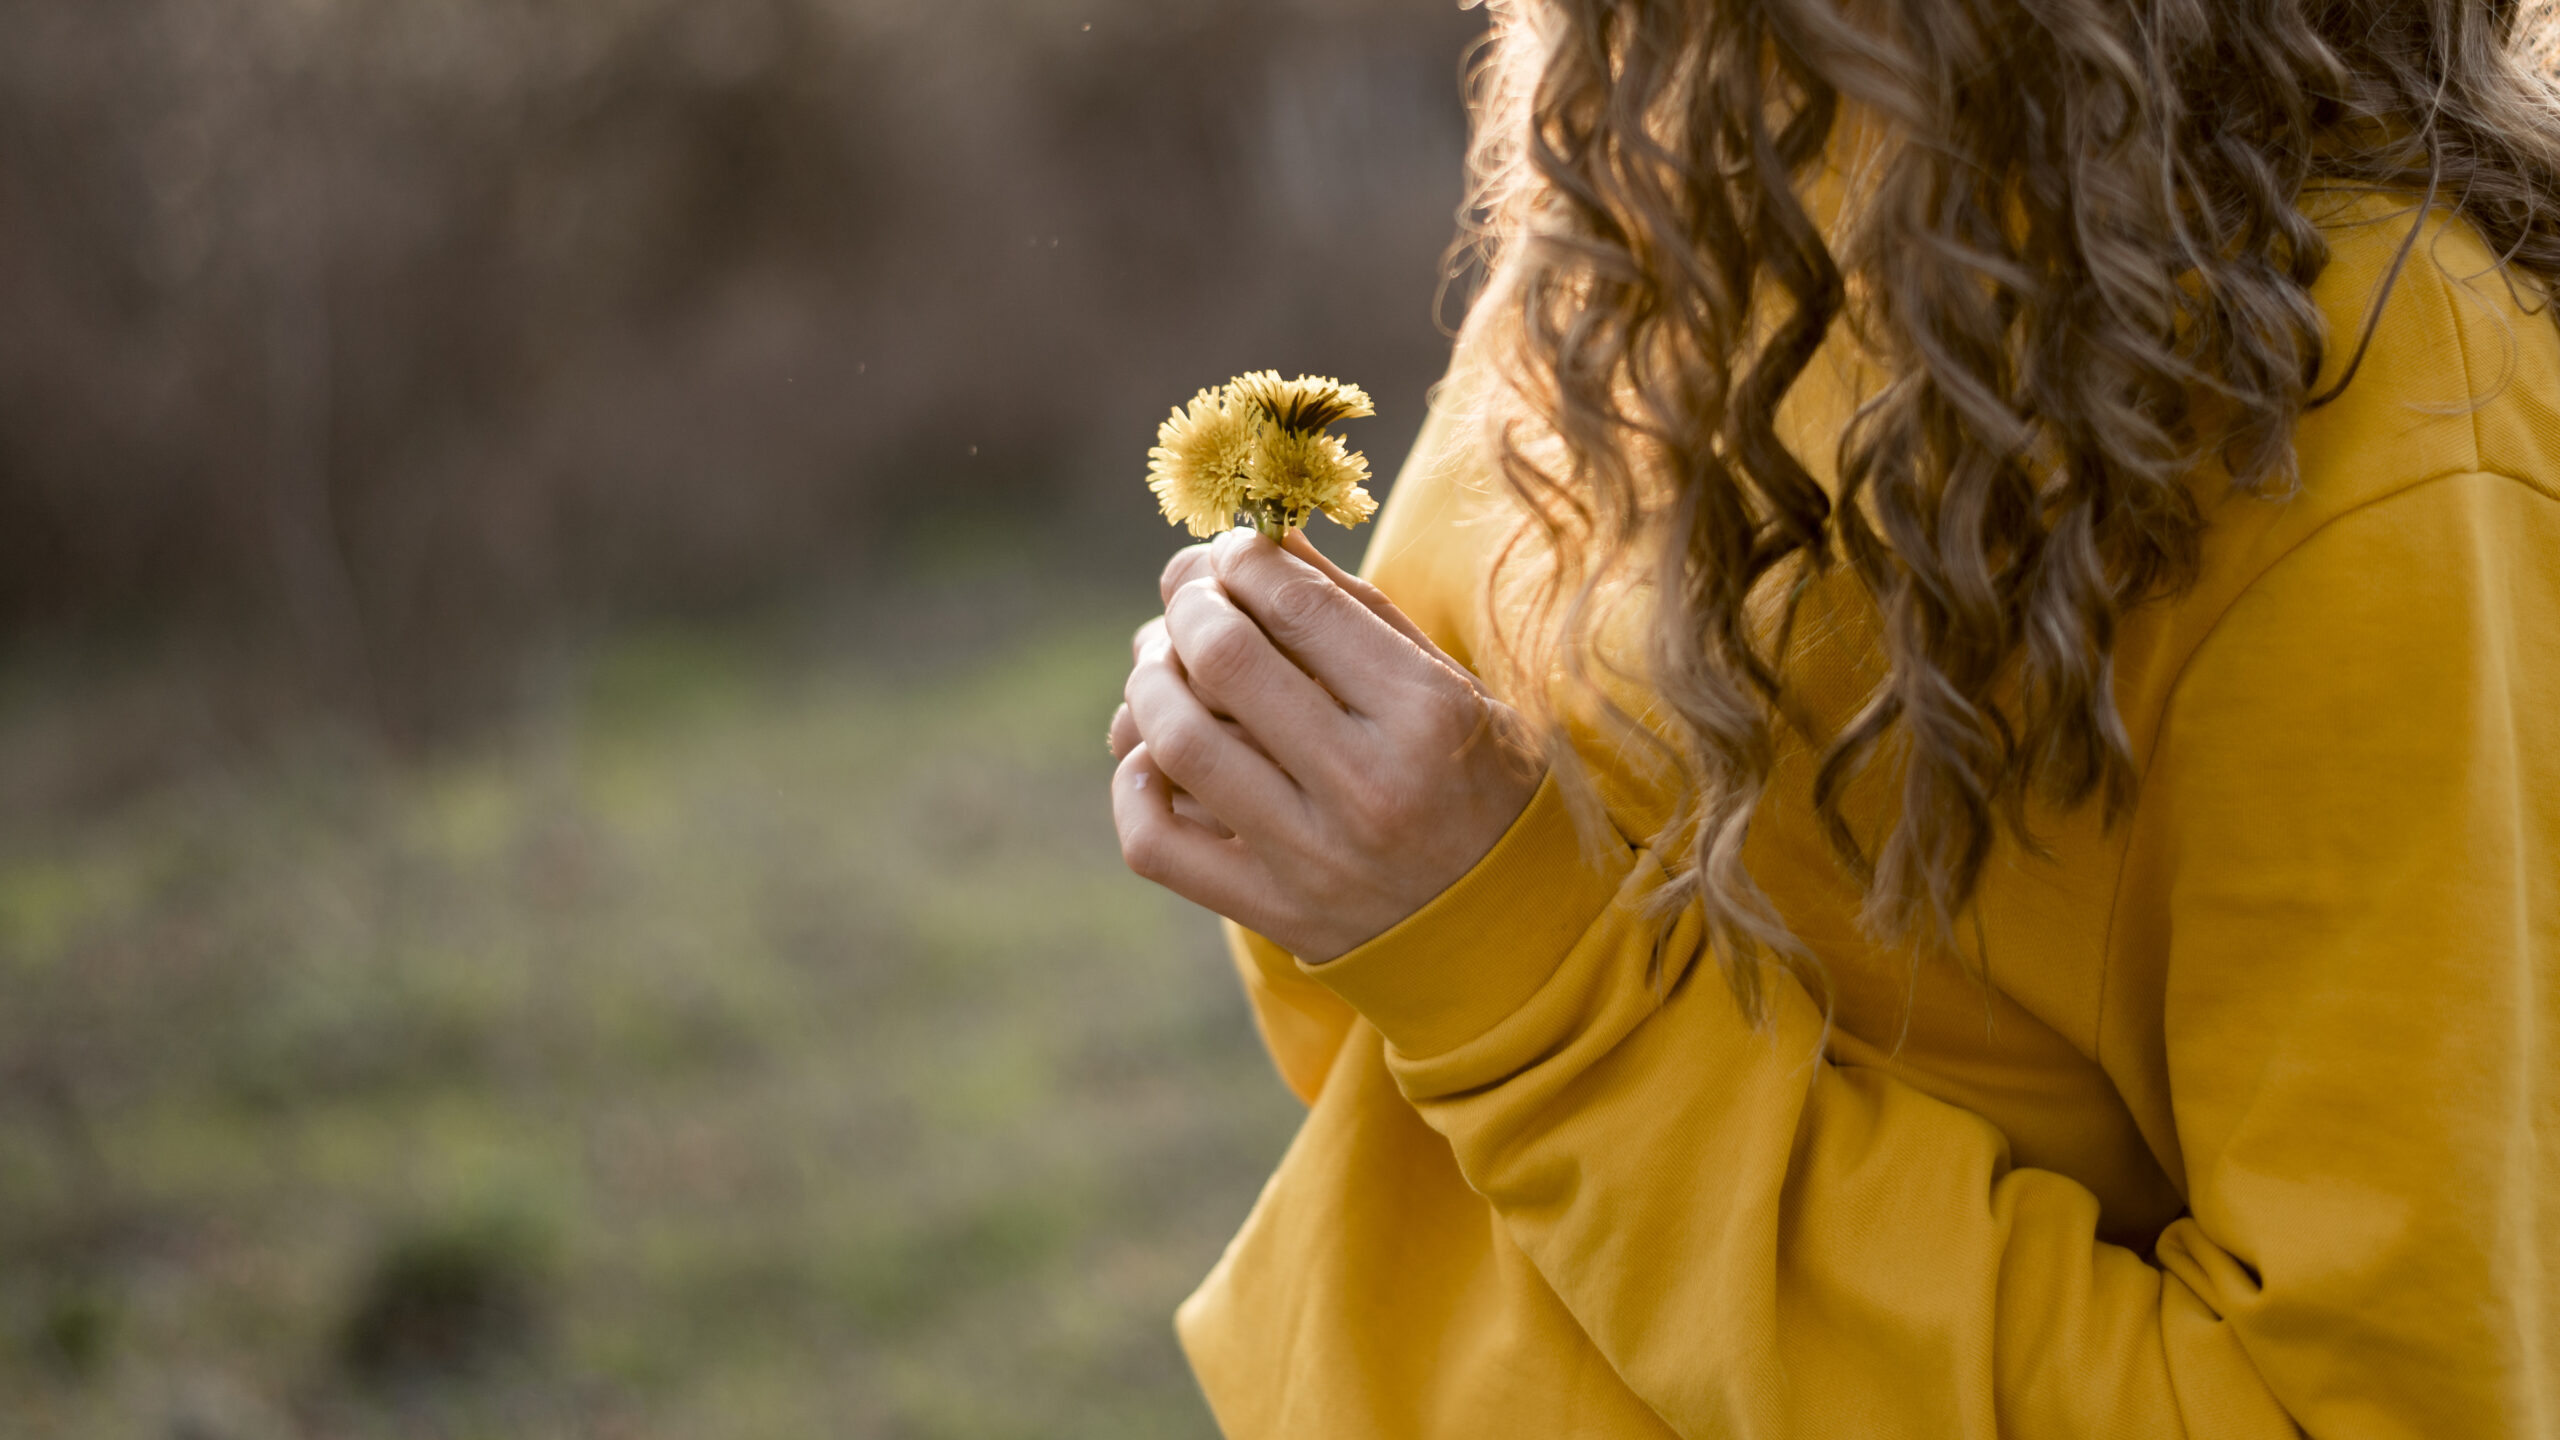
736, 1047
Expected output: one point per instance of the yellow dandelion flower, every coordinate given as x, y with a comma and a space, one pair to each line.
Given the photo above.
1197, 468
1308, 403
1256, 447
1298, 472
1355, 505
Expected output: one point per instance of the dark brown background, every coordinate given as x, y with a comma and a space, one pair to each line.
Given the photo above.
389, 333
563, 565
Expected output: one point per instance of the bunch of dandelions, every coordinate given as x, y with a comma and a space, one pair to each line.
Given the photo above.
1255, 449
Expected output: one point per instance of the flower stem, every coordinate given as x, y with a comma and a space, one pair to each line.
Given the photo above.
1268, 519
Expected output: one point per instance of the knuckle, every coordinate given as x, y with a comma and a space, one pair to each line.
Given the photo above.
1449, 714
1302, 605
1187, 564
1152, 630
1144, 851
1220, 653
1153, 667
1185, 751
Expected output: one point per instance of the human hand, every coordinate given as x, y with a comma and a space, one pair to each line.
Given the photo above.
1297, 755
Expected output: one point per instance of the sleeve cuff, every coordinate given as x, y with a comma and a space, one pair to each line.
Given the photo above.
1458, 966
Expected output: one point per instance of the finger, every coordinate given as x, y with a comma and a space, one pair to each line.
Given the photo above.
1150, 630
1188, 564
1163, 845
1376, 599
1124, 732
1365, 662
1188, 806
1235, 670
1153, 630
1235, 780
1124, 738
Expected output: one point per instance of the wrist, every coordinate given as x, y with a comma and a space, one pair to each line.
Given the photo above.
1455, 967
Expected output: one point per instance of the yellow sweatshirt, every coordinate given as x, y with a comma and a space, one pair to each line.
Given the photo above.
2254, 1132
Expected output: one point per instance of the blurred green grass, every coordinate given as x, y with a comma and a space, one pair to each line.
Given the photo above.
735, 1046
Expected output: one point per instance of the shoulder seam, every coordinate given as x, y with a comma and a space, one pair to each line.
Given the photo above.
2471, 395
2169, 692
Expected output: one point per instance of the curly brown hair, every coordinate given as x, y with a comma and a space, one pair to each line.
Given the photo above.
2075, 254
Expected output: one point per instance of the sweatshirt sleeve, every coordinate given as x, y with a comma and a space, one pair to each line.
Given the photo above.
2348, 843
1301, 1022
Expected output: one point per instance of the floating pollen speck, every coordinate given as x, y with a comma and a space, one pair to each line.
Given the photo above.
1256, 449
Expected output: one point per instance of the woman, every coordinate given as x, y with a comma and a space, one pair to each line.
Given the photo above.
2026, 533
